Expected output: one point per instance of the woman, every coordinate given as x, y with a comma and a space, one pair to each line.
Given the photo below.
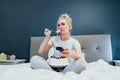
72, 48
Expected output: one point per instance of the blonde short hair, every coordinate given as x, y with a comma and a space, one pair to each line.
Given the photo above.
67, 18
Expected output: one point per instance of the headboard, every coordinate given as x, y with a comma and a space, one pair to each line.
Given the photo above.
94, 46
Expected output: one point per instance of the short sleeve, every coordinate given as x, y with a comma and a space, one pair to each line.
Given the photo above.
52, 41
76, 44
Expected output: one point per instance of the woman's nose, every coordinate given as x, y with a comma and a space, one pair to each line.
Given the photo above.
61, 27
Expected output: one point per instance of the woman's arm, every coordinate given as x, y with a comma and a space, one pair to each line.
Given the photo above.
76, 53
44, 47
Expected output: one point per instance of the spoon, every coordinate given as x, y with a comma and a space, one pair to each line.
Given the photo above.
58, 31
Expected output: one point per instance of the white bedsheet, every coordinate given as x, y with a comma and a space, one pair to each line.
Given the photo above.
99, 70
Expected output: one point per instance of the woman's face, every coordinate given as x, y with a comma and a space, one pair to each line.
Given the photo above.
63, 26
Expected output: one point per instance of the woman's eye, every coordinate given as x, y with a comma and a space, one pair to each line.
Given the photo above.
58, 25
63, 24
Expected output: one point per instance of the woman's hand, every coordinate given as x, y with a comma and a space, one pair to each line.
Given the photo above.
66, 52
75, 54
47, 32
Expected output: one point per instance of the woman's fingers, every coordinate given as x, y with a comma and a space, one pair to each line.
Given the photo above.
66, 51
47, 32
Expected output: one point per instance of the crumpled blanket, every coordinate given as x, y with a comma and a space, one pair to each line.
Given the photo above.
99, 70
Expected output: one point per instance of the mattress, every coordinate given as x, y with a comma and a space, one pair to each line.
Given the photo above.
99, 70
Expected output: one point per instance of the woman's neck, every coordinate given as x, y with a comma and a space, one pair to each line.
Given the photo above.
65, 36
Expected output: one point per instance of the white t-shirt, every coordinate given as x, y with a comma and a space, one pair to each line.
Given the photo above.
55, 41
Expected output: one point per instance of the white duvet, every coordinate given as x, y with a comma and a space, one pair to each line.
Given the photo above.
99, 70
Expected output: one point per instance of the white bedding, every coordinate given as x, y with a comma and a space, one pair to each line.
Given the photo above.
99, 70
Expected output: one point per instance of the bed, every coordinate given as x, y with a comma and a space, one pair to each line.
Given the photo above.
98, 54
